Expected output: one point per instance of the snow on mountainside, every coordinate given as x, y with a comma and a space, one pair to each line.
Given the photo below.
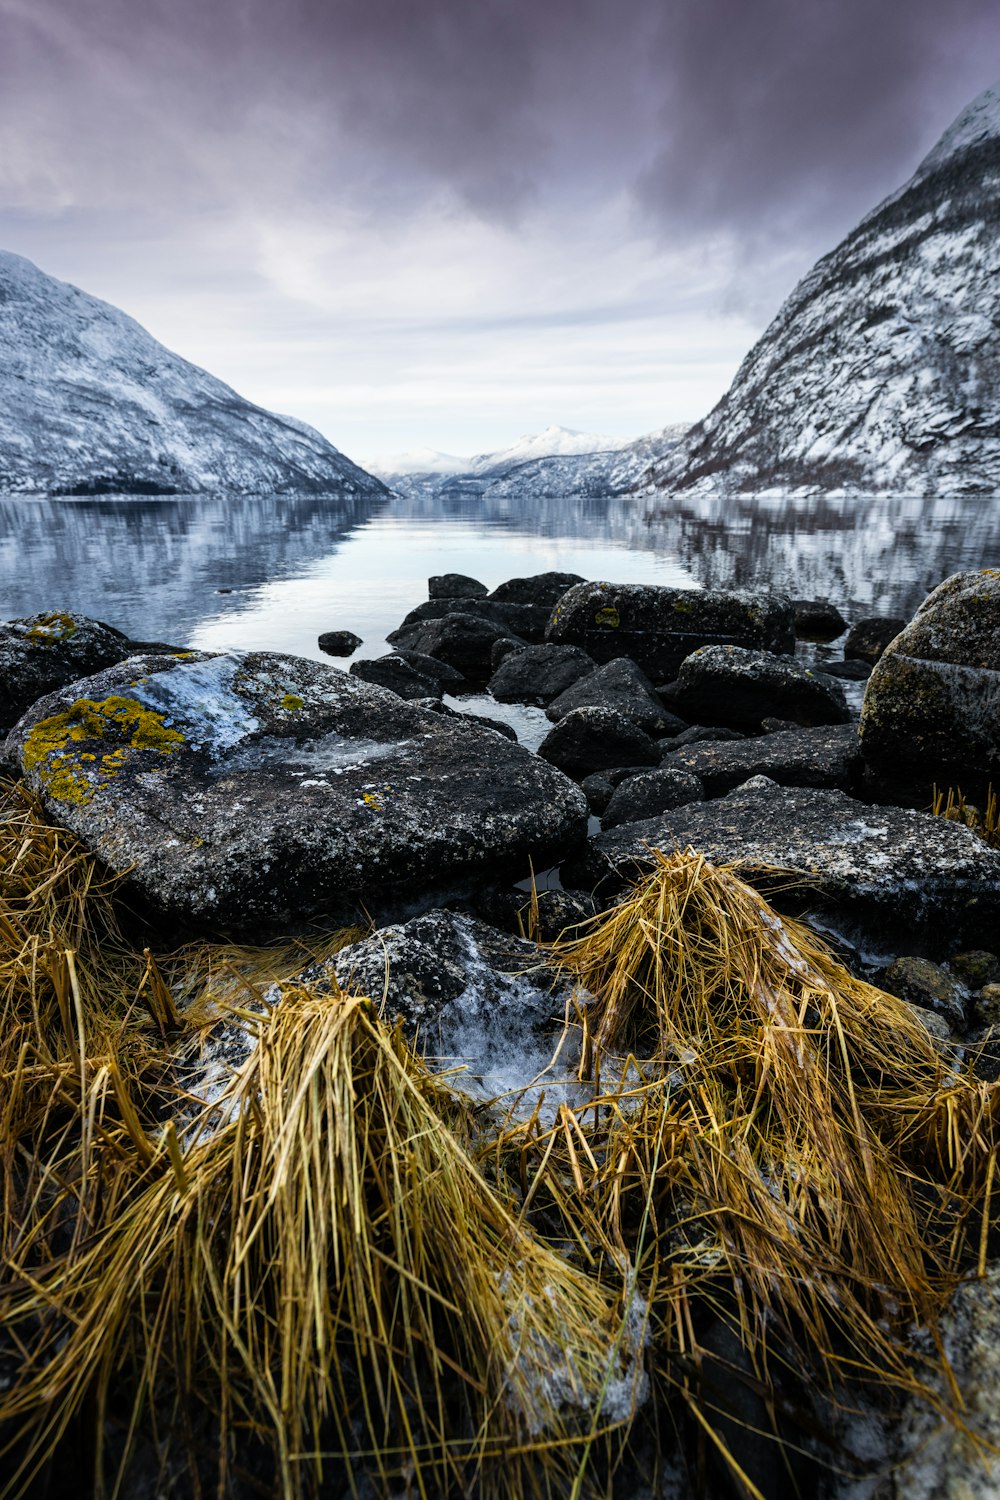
881, 373
90, 403
417, 461
554, 442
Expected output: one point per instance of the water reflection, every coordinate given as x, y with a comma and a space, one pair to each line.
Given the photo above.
272, 571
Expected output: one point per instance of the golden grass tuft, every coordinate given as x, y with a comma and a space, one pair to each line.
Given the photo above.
985, 820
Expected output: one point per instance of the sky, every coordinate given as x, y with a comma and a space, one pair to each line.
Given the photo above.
445, 223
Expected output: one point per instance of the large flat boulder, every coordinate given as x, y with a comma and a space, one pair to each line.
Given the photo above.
932, 705
658, 627
255, 791
740, 687
885, 868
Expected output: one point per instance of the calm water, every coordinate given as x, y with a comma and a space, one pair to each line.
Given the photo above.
272, 572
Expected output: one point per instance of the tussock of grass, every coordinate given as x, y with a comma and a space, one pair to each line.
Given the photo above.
985, 820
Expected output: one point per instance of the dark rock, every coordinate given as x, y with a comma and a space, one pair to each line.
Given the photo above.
455, 586
499, 726
695, 733
397, 675
883, 867
503, 647
537, 674
598, 790
44, 652
925, 984
817, 620
262, 791
541, 589
618, 774
987, 1006
463, 641
339, 642
777, 726
932, 705
658, 627
650, 793
735, 686
869, 637
555, 911
826, 756
594, 739
620, 685
850, 671
438, 671
524, 621
976, 967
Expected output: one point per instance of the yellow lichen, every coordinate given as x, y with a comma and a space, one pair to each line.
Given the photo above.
608, 616
290, 702
49, 629
125, 725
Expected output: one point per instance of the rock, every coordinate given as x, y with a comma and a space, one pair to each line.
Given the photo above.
438, 671
525, 622
934, 1023
594, 739
499, 726
976, 967
817, 620
658, 627
777, 726
848, 671
503, 647
932, 705
987, 1005
542, 589
697, 732
825, 756
464, 992
649, 793
598, 790
397, 675
868, 638
537, 674
44, 652
928, 986
339, 642
885, 868
261, 791
463, 641
556, 911
455, 586
620, 685
739, 687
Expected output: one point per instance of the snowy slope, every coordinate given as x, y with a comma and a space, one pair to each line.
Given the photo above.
90, 403
417, 461
553, 442
881, 373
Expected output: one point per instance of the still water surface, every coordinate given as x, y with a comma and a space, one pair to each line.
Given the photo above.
272, 572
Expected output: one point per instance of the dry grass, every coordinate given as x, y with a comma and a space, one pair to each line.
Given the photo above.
985, 820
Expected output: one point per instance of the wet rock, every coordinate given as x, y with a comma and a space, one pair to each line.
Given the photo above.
525, 622
537, 674
260, 791
43, 652
339, 642
466, 992
598, 790
739, 687
503, 647
825, 756
817, 620
438, 671
695, 733
932, 705
455, 586
594, 739
848, 671
976, 967
463, 641
498, 726
622, 686
929, 986
544, 590
398, 676
649, 793
555, 911
658, 627
886, 869
869, 637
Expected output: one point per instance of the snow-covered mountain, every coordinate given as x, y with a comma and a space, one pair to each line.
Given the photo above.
561, 442
90, 403
881, 373
417, 461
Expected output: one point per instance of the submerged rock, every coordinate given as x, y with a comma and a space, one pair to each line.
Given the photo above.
824, 756
736, 686
884, 868
259, 791
339, 642
621, 685
658, 627
43, 652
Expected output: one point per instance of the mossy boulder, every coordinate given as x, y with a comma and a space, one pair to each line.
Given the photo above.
258, 792
931, 710
42, 652
658, 627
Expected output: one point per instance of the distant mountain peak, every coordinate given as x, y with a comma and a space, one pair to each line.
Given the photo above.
977, 123
90, 403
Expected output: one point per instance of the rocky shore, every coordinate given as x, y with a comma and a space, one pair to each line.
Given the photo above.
241, 798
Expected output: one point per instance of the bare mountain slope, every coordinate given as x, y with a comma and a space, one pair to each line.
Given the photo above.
90, 403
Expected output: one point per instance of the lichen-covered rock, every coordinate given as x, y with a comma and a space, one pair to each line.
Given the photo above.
658, 627
339, 642
621, 685
868, 638
595, 739
929, 986
737, 686
818, 620
43, 652
537, 674
823, 756
932, 705
649, 793
455, 586
260, 791
976, 967
884, 868
398, 675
